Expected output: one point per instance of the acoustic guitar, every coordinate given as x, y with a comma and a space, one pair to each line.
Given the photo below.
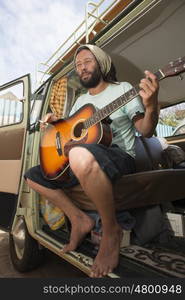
86, 126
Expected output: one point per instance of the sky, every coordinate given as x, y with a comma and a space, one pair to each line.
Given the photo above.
31, 30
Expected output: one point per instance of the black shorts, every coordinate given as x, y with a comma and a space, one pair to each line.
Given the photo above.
112, 160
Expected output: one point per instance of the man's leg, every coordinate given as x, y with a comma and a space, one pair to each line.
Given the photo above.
81, 223
98, 188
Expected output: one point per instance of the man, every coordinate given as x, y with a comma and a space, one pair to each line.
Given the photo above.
96, 167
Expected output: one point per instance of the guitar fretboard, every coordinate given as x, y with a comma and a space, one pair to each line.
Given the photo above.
107, 110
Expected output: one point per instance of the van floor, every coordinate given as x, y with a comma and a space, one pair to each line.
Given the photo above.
154, 260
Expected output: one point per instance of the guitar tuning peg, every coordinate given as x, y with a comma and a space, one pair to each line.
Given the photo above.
180, 77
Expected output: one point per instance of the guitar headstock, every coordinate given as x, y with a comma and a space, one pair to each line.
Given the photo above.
174, 68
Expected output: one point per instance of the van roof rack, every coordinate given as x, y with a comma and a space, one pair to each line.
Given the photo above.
97, 17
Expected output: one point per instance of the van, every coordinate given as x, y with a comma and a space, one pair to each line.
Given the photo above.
139, 35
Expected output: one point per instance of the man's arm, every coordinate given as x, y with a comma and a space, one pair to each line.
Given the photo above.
146, 123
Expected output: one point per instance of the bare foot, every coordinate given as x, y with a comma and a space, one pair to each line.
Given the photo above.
108, 255
81, 225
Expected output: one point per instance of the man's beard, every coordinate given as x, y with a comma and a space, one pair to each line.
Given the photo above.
94, 80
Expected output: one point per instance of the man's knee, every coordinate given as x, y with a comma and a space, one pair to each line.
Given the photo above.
82, 162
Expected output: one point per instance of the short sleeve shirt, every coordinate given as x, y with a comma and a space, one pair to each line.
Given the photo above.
122, 120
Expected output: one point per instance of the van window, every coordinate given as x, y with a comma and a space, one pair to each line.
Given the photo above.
35, 110
11, 105
171, 121
37, 100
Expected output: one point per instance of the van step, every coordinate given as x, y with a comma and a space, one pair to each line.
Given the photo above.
135, 261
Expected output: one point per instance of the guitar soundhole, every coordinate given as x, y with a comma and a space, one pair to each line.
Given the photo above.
78, 130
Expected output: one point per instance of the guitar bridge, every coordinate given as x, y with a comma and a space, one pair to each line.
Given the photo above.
58, 143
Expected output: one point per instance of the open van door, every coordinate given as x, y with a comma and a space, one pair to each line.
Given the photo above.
14, 112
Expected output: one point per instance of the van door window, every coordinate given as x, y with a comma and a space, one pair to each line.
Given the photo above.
11, 105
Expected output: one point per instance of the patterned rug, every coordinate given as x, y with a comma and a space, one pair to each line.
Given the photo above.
161, 260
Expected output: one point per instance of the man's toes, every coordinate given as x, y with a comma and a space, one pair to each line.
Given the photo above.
107, 271
65, 248
104, 271
94, 267
93, 270
110, 270
97, 272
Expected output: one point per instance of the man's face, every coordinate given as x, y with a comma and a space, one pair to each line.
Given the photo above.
87, 69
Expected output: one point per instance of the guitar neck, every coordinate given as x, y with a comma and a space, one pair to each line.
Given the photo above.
107, 110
